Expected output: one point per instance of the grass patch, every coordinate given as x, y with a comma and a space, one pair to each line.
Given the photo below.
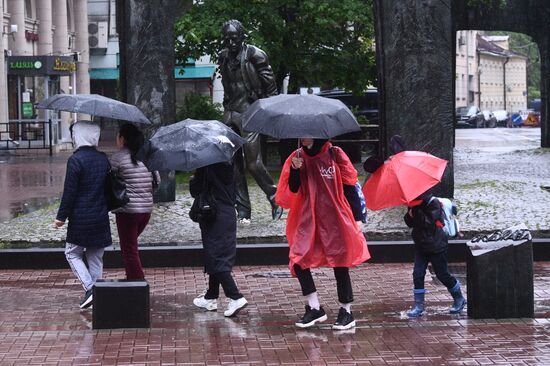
480, 204
478, 184
541, 150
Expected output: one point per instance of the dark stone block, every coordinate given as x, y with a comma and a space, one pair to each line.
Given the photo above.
121, 304
500, 283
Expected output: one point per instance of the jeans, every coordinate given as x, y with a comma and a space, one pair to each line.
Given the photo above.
439, 264
228, 285
343, 282
130, 226
86, 275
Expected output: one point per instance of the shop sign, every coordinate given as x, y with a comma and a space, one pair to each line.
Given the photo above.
25, 65
41, 65
27, 109
64, 65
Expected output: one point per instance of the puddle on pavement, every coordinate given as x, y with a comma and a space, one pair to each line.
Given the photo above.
281, 274
24, 207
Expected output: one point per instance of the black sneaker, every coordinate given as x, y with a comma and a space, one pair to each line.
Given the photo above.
87, 300
311, 317
344, 321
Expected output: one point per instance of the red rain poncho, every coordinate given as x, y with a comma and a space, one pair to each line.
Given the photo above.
320, 229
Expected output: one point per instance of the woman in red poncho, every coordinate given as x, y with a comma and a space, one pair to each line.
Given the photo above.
323, 227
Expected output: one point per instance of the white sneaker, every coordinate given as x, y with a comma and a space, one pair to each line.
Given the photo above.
208, 304
235, 306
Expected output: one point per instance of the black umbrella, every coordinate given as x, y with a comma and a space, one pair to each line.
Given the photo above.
190, 144
95, 105
295, 116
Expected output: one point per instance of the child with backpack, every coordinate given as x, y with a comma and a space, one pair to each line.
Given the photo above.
427, 218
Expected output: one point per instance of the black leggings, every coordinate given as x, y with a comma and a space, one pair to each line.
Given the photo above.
228, 284
343, 283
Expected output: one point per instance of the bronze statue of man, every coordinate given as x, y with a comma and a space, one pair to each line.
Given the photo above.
246, 77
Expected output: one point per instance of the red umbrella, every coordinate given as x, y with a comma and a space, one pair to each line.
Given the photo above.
402, 178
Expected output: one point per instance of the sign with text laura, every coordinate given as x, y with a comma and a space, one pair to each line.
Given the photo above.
41, 65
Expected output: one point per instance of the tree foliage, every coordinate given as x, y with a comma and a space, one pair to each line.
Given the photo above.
327, 43
198, 106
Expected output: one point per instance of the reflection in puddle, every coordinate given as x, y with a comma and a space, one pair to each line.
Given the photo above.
17, 208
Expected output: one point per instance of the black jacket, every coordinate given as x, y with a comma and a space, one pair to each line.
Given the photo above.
428, 237
219, 237
83, 201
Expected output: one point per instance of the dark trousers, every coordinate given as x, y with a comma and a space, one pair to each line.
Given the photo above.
343, 282
130, 226
439, 264
228, 285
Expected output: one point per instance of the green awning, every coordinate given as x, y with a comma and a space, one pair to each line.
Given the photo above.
198, 72
104, 74
190, 72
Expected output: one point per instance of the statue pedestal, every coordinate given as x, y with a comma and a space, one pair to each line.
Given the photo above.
500, 282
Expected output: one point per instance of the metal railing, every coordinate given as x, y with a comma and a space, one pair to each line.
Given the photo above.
26, 134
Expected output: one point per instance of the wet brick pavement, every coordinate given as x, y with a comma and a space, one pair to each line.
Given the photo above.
496, 186
41, 324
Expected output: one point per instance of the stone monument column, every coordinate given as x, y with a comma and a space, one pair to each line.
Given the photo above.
415, 59
544, 49
147, 60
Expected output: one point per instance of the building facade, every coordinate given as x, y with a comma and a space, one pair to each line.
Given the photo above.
194, 76
502, 75
466, 78
45, 44
488, 74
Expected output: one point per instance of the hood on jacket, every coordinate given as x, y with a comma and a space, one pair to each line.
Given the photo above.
85, 133
315, 148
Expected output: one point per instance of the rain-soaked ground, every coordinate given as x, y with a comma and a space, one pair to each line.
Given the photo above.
498, 177
40, 323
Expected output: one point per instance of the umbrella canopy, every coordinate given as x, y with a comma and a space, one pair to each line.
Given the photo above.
189, 144
295, 116
403, 178
95, 105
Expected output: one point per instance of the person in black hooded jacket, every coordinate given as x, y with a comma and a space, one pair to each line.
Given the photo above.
425, 217
219, 237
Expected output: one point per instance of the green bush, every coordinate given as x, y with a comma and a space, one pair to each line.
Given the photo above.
200, 107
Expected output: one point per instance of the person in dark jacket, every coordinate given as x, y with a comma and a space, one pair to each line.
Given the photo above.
85, 206
425, 217
219, 237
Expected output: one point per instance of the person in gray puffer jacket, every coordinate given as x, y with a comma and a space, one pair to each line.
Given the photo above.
132, 219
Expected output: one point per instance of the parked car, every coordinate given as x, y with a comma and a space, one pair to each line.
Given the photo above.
503, 118
535, 105
469, 117
365, 105
490, 121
